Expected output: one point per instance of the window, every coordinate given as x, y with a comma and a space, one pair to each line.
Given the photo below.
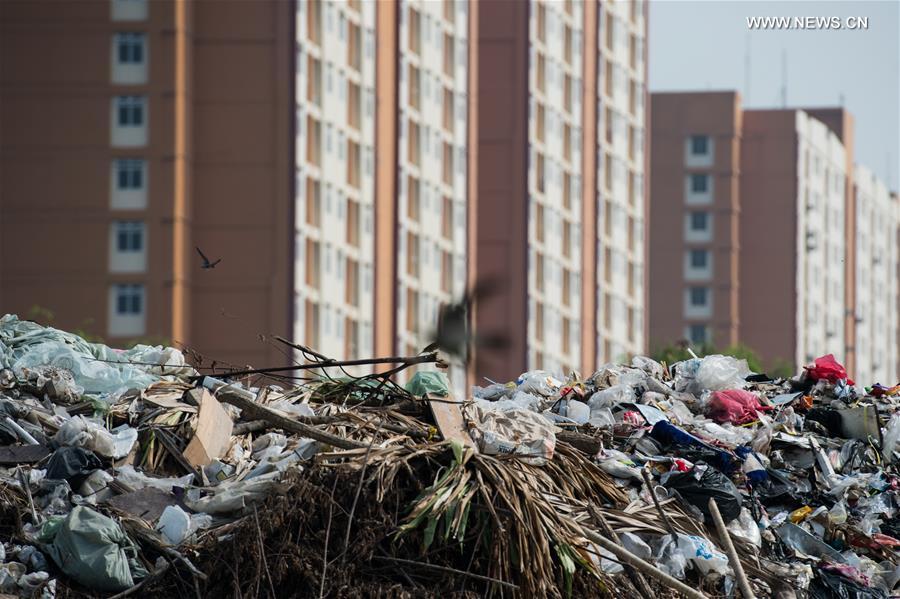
632, 51
413, 145
566, 238
539, 122
351, 340
353, 222
566, 286
567, 191
699, 296
415, 30
699, 221
353, 163
699, 258
448, 164
699, 183
448, 110
697, 333
129, 173
608, 78
447, 218
412, 254
414, 87
699, 145
354, 47
314, 81
129, 10
412, 311
446, 272
539, 322
539, 222
541, 22
610, 33
312, 324
541, 69
129, 300
312, 263
565, 335
539, 272
567, 93
448, 11
540, 173
353, 105
352, 283
130, 111
607, 172
448, 55
313, 141
314, 21
412, 198
567, 45
130, 48
129, 236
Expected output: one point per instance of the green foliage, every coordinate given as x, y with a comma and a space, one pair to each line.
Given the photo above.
677, 352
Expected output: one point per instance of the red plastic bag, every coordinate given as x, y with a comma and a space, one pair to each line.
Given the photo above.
826, 367
735, 405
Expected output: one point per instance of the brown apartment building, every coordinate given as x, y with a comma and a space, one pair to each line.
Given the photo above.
131, 131
354, 164
765, 249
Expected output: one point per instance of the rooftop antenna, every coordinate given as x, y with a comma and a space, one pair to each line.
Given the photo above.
783, 78
747, 71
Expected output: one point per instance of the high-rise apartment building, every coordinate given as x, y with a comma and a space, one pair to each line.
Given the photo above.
132, 131
878, 219
571, 258
775, 249
355, 164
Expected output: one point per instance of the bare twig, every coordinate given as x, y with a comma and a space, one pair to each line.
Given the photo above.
662, 513
362, 474
428, 566
262, 551
327, 536
638, 578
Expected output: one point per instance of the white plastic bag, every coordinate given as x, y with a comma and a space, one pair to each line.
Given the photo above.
138, 480
612, 396
78, 431
891, 434
517, 432
745, 527
174, 524
718, 373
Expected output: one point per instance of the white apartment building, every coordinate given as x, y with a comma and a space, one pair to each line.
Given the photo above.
877, 221
620, 180
821, 247
554, 185
431, 168
335, 127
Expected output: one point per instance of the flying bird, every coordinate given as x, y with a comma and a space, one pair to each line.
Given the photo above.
453, 336
206, 262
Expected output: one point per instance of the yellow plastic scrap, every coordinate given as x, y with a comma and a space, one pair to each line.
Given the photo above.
800, 514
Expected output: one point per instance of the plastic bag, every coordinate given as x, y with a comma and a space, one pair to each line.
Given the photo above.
891, 434
428, 381
174, 524
575, 410
669, 558
138, 480
72, 464
79, 431
703, 555
612, 396
601, 418
734, 405
702, 483
717, 373
745, 527
95, 551
648, 365
828, 369
635, 545
517, 432
538, 382
618, 464
519, 401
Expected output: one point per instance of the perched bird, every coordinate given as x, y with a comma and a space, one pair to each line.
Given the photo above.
452, 335
206, 262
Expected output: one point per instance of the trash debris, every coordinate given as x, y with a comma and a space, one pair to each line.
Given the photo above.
133, 472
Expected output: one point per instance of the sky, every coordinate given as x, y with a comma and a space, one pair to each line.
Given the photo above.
703, 45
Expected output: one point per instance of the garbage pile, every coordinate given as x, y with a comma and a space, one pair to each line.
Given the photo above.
133, 473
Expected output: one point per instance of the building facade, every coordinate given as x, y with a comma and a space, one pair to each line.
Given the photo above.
878, 219
355, 166
163, 126
776, 250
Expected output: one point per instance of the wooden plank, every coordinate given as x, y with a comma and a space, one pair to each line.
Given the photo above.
448, 416
213, 432
22, 454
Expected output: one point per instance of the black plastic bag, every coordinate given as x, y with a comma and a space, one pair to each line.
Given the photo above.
72, 464
830, 585
697, 485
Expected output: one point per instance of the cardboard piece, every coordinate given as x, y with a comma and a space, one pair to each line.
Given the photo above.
213, 432
449, 419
